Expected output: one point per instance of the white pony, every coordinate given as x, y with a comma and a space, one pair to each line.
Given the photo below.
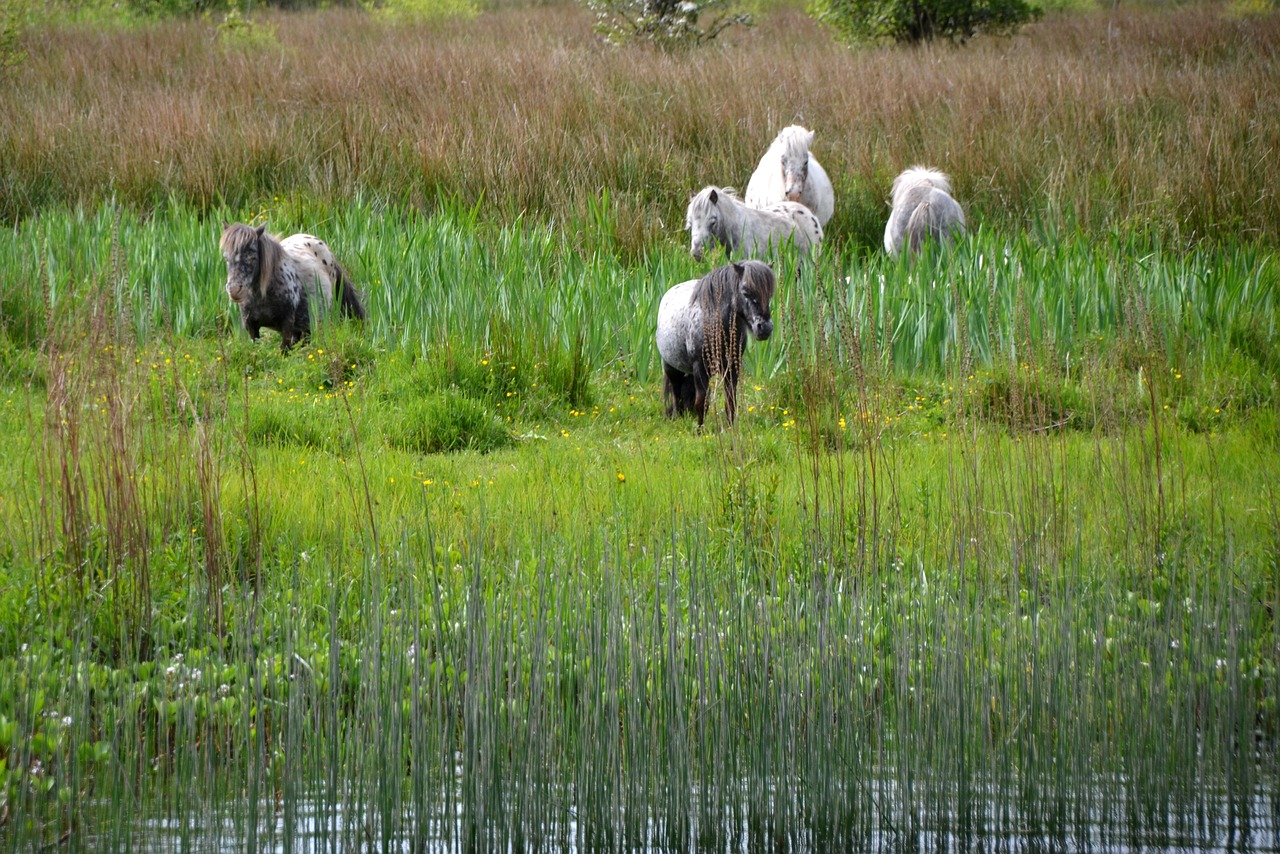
788, 172
715, 214
922, 208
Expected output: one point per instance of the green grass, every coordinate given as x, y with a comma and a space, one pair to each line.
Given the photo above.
996, 527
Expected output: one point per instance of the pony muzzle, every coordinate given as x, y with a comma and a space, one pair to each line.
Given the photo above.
764, 330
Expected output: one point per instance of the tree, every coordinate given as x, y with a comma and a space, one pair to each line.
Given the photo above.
914, 21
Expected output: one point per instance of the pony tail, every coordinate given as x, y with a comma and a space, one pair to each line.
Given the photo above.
351, 304
924, 223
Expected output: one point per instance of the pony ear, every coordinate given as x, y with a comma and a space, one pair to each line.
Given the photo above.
714, 198
740, 269
260, 229
225, 225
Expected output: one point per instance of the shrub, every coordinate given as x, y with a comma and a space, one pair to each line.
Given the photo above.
12, 25
237, 32
914, 21
444, 422
666, 23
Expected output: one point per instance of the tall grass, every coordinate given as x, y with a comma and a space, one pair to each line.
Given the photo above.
533, 294
1134, 119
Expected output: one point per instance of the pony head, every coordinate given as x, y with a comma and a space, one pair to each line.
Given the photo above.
738, 294
704, 220
251, 257
914, 177
793, 147
755, 288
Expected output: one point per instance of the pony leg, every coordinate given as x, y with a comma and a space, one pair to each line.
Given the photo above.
288, 336
302, 318
253, 327
688, 395
672, 391
701, 382
731, 393
297, 326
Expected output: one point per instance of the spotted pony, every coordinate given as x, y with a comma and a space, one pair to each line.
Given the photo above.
702, 331
278, 284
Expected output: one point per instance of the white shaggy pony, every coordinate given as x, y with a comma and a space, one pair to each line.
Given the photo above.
922, 209
788, 172
716, 215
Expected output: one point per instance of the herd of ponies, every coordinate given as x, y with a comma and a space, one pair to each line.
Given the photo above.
702, 324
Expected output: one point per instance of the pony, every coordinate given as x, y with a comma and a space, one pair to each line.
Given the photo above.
716, 215
922, 208
703, 326
275, 281
788, 172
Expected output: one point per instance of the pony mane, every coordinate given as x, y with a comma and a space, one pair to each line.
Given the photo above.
758, 281
709, 288
702, 199
917, 175
794, 141
756, 277
270, 253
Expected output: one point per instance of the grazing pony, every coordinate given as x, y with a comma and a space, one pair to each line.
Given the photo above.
716, 215
788, 172
922, 208
702, 330
274, 281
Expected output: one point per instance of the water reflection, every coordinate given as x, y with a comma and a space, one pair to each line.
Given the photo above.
879, 817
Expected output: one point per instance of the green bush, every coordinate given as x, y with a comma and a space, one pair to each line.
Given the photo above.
12, 26
285, 423
914, 21
449, 421
420, 11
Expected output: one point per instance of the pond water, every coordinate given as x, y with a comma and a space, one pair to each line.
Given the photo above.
1100, 818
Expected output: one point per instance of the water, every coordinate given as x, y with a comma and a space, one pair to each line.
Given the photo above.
1105, 816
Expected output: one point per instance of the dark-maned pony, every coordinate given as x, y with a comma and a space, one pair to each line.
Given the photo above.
275, 282
703, 326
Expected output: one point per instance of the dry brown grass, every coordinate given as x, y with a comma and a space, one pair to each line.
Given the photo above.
1161, 120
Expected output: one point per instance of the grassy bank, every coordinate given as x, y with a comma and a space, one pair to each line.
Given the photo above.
995, 528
